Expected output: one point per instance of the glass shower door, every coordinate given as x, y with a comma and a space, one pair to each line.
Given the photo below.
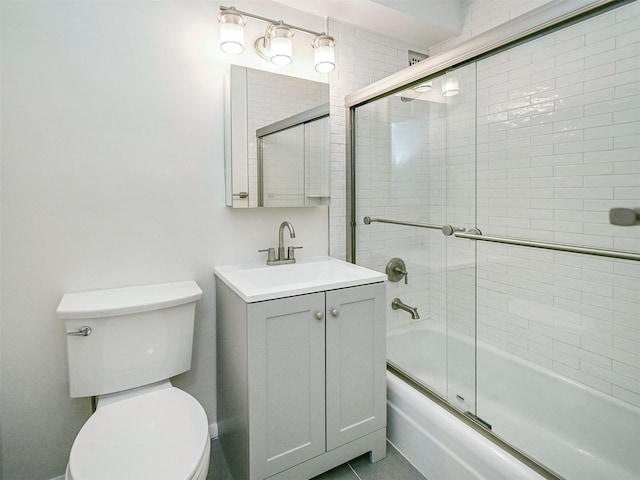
458, 88
558, 126
402, 145
531, 321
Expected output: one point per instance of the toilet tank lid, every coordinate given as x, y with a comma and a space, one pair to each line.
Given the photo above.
127, 300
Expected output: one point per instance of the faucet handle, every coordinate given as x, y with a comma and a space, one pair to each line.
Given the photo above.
271, 253
290, 253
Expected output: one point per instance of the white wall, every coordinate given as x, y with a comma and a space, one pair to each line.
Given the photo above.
112, 175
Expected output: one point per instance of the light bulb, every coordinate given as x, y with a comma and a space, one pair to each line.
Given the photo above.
281, 50
281, 44
231, 38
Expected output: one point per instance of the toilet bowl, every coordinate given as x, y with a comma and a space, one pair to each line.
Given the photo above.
156, 433
124, 345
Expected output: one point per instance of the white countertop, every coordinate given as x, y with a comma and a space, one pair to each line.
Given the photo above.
255, 282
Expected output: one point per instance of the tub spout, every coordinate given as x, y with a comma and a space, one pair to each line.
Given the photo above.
397, 304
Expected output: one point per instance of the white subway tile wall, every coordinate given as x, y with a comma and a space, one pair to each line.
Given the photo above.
362, 57
548, 143
558, 136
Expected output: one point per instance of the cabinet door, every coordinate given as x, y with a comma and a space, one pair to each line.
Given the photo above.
356, 363
286, 382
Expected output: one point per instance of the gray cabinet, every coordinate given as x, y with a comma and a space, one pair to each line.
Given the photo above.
301, 381
287, 382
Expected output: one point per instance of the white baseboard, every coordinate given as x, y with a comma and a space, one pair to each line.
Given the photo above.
213, 430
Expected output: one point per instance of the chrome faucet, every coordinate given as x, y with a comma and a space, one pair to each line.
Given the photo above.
397, 304
292, 234
284, 256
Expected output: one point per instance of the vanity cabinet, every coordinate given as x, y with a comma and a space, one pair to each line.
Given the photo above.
301, 381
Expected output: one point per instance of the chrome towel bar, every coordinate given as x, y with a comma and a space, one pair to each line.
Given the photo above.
445, 229
474, 234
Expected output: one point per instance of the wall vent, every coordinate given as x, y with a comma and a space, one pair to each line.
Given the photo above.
415, 57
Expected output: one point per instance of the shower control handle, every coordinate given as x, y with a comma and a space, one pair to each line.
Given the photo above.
404, 273
396, 269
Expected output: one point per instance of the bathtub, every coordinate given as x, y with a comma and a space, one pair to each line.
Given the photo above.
573, 430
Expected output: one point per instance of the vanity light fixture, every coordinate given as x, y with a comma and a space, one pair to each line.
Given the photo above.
275, 45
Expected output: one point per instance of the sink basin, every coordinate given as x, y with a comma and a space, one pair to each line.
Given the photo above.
257, 282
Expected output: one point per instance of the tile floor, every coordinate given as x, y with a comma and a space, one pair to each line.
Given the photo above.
393, 467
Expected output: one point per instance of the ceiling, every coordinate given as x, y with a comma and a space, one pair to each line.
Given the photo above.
421, 23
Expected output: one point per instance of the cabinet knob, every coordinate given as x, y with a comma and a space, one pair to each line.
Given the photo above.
335, 312
319, 315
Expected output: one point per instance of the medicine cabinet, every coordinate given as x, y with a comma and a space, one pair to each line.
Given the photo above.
276, 140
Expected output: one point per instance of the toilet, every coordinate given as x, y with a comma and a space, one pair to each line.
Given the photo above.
123, 346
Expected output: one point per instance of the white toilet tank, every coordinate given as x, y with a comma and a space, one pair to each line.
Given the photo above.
139, 335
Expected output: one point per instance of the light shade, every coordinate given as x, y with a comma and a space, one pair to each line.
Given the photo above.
450, 87
231, 31
323, 53
281, 48
424, 87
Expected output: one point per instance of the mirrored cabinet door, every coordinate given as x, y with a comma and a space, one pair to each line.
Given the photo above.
276, 140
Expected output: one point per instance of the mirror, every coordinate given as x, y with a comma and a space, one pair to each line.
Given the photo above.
276, 140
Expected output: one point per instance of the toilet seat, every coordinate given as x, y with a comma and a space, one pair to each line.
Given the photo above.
161, 435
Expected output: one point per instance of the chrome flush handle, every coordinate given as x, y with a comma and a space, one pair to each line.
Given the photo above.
81, 332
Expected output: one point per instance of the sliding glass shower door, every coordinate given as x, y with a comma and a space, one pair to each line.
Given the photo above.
412, 148
502, 198
558, 127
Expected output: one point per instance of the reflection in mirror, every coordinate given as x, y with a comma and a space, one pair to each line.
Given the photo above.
286, 119
285, 181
